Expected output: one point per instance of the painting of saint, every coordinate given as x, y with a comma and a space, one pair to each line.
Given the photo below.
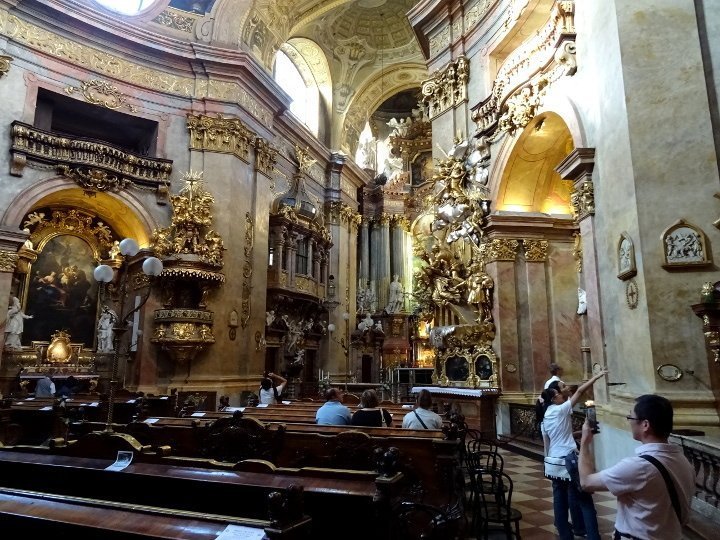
62, 295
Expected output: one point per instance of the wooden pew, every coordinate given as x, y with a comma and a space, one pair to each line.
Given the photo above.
425, 455
333, 500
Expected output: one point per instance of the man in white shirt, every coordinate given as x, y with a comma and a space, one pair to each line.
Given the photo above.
645, 510
422, 417
556, 371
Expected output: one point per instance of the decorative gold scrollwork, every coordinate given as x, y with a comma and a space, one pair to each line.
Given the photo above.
4, 64
536, 250
582, 200
92, 179
102, 93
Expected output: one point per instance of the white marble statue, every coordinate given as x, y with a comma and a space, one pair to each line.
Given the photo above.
14, 324
105, 330
366, 324
582, 302
395, 298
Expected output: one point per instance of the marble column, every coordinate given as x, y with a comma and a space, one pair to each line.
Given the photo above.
539, 346
384, 278
364, 251
398, 253
501, 267
578, 166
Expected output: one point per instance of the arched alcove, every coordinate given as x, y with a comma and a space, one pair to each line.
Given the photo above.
529, 182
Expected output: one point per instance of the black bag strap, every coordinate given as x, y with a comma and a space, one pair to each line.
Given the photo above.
421, 420
668, 482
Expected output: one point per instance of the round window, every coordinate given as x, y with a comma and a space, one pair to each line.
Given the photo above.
126, 7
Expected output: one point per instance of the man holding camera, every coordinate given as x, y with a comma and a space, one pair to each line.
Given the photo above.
654, 488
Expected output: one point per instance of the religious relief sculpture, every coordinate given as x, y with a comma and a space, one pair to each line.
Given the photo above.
14, 324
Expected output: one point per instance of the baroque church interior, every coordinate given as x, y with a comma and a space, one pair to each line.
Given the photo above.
365, 194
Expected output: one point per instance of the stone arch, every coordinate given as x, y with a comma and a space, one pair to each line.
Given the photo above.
524, 178
123, 211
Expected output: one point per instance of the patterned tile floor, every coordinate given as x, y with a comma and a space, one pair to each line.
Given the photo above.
532, 496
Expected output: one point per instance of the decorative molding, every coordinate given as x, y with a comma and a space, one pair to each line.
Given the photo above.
582, 200
102, 93
245, 296
685, 246
440, 40
499, 249
233, 92
8, 261
175, 20
92, 179
91, 58
524, 76
72, 221
4, 64
44, 146
447, 88
303, 159
265, 157
578, 252
536, 250
632, 294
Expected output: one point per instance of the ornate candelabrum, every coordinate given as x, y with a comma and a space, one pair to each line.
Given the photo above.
192, 253
104, 274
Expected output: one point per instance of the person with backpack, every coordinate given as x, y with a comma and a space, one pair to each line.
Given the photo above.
271, 386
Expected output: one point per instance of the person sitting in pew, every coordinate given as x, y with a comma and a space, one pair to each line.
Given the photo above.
45, 387
371, 414
333, 412
271, 387
422, 417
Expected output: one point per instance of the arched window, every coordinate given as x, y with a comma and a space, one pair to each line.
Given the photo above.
126, 7
305, 96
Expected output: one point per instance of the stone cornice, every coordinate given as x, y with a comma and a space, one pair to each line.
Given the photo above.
578, 163
426, 15
531, 226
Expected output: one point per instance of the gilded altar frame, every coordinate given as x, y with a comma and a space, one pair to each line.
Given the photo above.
467, 368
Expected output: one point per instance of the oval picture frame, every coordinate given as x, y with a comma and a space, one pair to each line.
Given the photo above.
669, 372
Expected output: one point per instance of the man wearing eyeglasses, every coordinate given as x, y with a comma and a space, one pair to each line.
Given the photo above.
646, 506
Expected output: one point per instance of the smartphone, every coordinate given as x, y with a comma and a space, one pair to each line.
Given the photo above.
592, 418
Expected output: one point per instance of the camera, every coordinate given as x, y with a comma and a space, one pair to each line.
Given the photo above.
591, 415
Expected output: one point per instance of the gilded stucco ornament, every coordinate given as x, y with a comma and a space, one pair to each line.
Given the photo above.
4, 64
303, 159
192, 254
500, 249
102, 93
522, 79
265, 156
536, 250
177, 20
8, 261
582, 201
447, 88
92, 179
578, 252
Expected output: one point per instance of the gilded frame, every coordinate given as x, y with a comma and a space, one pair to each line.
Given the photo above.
467, 368
626, 257
684, 246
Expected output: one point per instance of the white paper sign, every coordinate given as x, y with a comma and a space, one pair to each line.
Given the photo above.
286, 402
198, 414
124, 458
260, 405
48, 408
151, 420
95, 404
240, 532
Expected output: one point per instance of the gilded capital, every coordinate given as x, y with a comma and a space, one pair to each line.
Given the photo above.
535, 250
499, 249
582, 200
218, 134
384, 218
8, 261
